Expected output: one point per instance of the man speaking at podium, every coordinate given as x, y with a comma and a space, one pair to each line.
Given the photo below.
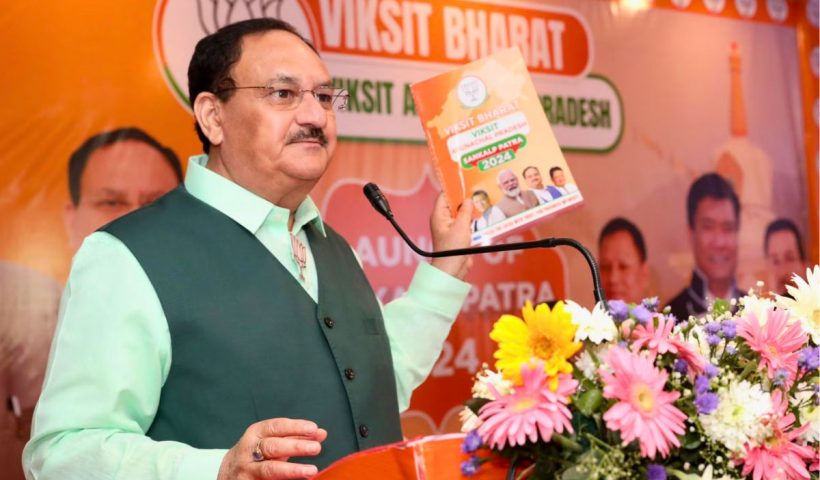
225, 331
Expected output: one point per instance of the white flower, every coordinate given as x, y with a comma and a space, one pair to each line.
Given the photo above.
757, 306
597, 326
469, 420
697, 338
809, 413
739, 417
490, 377
805, 301
586, 364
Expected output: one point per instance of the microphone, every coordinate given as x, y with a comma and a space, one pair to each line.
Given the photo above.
380, 203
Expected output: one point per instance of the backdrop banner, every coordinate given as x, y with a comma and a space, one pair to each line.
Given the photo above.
642, 100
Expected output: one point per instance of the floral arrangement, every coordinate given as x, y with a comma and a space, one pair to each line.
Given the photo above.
631, 392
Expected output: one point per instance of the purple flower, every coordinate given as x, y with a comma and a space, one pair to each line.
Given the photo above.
711, 371
655, 472
729, 329
472, 442
701, 384
672, 318
651, 303
469, 467
781, 375
712, 339
712, 328
809, 358
706, 402
641, 314
681, 366
730, 349
619, 310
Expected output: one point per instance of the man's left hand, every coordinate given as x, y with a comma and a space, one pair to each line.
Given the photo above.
450, 233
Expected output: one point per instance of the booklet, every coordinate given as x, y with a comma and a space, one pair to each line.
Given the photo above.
490, 141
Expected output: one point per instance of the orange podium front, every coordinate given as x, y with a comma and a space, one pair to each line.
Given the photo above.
436, 457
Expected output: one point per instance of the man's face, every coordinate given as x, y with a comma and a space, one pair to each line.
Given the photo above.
508, 183
117, 179
481, 202
533, 178
558, 178
714, 239
265, 148
783, 257
624, 276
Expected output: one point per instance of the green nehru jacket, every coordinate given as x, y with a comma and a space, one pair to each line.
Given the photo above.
250, 344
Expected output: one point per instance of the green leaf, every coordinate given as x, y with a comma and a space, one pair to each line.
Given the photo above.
476, 403
589, 401
691, 440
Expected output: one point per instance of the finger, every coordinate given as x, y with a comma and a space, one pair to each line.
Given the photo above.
442, 215
319, 436
284, 427
275, 469
465, 213
284, 447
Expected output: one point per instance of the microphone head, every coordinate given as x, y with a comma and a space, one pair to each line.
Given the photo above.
377, 199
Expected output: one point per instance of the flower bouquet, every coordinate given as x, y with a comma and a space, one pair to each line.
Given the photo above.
631, 392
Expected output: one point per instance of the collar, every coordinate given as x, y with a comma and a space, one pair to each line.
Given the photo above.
699, 288
243, 206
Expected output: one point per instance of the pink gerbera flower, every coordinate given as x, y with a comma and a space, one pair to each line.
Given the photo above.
644, 410
777, 342
659, 339
654, 338
532, 412
778, 457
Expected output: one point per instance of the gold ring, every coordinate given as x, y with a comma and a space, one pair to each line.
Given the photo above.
258, 456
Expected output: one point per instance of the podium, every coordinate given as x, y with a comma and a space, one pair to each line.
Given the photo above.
436, 457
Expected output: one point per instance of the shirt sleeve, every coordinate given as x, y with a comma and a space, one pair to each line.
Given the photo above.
418, 323
110, 356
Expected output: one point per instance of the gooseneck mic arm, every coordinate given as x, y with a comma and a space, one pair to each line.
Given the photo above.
380, 203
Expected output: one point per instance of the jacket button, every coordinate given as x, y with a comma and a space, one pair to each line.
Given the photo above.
350, 374
363, 430
329, 322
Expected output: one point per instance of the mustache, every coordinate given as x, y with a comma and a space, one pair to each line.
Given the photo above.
314, 133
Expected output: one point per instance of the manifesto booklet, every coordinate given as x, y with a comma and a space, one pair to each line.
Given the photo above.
491, 141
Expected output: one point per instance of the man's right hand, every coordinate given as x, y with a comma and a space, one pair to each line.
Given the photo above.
278, 439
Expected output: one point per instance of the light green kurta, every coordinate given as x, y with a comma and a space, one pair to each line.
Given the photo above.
112, 350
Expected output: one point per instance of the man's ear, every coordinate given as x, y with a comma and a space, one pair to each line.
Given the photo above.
208, 113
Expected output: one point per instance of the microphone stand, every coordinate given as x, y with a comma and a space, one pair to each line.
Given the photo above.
379, 202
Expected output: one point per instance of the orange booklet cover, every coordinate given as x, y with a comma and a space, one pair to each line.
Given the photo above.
491, 141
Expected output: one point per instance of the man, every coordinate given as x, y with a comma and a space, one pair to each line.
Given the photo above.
784, 253
713, 215
278, 341
513, 201
482, 205
110, 174
560, 180
533, 178
622, 260
113, 173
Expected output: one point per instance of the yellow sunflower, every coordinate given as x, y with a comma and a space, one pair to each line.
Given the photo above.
542, 334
